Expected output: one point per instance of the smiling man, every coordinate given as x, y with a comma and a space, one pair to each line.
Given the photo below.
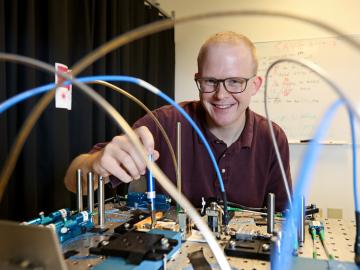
240, 138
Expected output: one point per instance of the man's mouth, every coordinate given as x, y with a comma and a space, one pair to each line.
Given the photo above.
222, 106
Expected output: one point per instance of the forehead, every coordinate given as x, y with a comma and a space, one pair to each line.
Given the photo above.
225, 57
239, 49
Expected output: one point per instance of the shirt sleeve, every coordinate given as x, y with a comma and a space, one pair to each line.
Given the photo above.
144, 121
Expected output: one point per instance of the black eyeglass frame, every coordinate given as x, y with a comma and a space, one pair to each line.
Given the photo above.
223, 82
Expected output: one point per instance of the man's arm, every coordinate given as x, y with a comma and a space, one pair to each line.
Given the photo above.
118, 158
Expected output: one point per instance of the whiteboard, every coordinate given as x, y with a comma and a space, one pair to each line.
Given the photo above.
297, 98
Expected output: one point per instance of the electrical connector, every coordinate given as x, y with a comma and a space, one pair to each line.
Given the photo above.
317, 225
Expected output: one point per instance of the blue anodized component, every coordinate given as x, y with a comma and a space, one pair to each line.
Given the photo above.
73, 226
139, 200
151, 193
51, 218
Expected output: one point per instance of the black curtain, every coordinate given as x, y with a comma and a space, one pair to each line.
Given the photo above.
65, 31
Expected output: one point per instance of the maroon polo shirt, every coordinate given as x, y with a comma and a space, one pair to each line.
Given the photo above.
249, 166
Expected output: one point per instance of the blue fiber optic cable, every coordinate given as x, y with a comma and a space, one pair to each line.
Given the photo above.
309, 161
355, 188
290, 233
24, 95
38, 90
354, 160
14, 100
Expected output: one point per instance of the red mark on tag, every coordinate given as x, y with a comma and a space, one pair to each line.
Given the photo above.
61, 79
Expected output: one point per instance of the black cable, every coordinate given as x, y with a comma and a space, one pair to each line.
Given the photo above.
357, 239
256, 209
226, 214
116, 198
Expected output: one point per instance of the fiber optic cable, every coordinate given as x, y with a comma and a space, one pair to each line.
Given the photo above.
301, 186
167, 24
162, 179
353, 137
162, 25
153, 28
321, 234
167, 185
329, 257
157, 92
355, 189
318, 71
256, 209
19, 142
313, 237
33, 116
14, 100
151, 114
354, 161
5, 105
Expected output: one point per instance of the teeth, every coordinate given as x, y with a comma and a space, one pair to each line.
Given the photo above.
222, 106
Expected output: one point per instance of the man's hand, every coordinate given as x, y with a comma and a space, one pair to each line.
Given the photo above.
121, 159
118, 158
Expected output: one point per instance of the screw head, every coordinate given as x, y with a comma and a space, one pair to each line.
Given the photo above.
265, 247
105, 243
164, 242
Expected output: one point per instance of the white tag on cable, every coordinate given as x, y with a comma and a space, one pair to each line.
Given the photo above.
85, 215
63, 93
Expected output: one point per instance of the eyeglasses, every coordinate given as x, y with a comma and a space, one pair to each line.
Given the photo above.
234, 85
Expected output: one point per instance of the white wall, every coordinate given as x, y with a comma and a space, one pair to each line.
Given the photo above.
332, 185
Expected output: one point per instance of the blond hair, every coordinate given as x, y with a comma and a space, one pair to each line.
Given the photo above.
229, 37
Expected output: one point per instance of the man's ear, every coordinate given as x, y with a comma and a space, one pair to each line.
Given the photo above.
196, 75
257, 82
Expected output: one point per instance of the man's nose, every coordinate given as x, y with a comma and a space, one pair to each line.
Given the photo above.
220, 91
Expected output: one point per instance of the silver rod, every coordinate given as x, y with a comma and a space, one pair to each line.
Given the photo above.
79, 193
301, 228
164, 262
270, 212
90, 186
101, 203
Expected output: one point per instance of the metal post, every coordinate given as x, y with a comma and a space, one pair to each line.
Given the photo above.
101, 203
301, 228
79, 192
270, 212
90, 187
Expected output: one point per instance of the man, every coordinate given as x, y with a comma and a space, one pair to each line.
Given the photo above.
239, 138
